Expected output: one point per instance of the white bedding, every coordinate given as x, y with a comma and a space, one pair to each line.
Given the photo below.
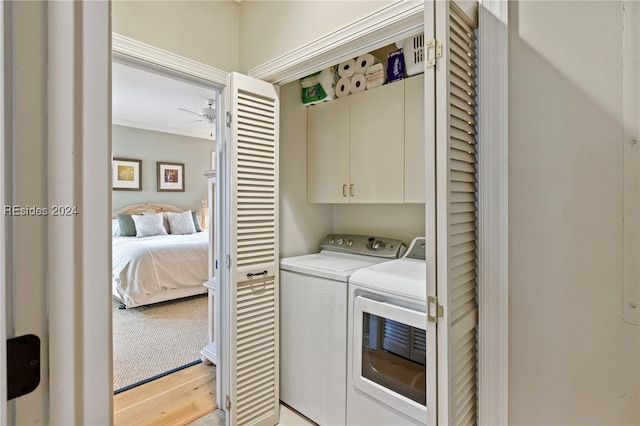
162, 267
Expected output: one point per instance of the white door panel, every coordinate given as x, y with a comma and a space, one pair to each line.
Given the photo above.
56, 260
25, 174
253, 343
452, 248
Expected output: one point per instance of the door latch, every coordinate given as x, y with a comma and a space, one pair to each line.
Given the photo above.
23, 365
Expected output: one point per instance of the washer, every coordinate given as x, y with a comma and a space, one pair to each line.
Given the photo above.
386, 373
313, 322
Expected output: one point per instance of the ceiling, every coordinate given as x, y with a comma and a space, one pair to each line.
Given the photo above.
149, 100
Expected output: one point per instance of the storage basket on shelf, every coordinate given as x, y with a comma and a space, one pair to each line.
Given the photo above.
414, 55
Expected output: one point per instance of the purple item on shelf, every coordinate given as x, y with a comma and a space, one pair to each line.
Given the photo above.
395, 66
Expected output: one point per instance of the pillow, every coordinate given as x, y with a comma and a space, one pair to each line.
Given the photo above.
196, 221
127, 226
115, 227
165, 220
148, 225
181, 223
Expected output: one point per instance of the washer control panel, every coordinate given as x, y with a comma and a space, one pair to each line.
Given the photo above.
364, 244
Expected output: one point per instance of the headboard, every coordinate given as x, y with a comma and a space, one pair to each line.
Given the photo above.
146, 208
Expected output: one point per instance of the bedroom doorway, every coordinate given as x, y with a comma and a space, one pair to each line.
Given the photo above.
163, 140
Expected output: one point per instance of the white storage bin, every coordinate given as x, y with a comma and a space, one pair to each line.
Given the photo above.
414, 55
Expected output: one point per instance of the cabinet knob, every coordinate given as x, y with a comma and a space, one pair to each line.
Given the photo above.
344, 190
351, 192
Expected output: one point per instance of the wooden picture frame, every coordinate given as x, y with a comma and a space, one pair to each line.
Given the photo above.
170, 177
127, 174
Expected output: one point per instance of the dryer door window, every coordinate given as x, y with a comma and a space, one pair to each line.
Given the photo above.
389, 355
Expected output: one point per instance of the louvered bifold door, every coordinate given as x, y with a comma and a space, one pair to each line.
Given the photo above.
456, 211
254, 394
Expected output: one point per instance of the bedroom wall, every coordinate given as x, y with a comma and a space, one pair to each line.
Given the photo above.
269, 29
572, 358
150, 146
204, 31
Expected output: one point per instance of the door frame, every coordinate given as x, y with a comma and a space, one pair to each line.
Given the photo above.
125, 48
133, 52
404, 19
3, 286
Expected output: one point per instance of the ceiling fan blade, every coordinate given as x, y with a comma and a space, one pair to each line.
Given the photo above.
185, 122
192, 112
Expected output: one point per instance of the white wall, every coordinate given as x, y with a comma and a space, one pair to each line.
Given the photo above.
269, 29
232, 36
204, 31
400, 221
302, 225
150, 147
573, 360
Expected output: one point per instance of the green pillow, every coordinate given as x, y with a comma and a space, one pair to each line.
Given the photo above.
127, 225
196, 221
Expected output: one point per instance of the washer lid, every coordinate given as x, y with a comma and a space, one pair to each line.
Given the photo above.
328, 264
403, 277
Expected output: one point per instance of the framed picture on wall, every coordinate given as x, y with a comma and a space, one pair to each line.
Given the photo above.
170, 177
127, 174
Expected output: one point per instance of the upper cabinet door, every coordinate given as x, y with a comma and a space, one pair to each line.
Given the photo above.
377, 145
328, 152
414, 126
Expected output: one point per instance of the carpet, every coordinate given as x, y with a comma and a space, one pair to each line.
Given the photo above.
151, 340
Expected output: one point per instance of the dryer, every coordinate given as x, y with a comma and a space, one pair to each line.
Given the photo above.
313, 322
386, 374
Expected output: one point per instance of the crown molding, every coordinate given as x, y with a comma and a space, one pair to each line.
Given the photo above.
397, 21
128, 48
162, 129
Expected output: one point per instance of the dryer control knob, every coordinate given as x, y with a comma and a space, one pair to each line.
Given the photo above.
349, 242
340, 241
375, 245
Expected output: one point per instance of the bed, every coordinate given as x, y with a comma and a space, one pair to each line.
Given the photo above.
153, 266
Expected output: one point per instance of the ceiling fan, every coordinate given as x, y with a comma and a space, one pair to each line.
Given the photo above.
207, 115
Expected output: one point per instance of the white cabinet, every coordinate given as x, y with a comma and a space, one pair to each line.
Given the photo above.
414, 170
368, 147
328, 151
377, 145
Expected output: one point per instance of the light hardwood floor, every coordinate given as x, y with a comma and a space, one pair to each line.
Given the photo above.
176, 399
186, 397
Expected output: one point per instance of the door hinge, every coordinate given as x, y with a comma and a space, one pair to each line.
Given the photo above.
433, 51
434, 309
229, 261
228, 403
228, 118
23, 365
